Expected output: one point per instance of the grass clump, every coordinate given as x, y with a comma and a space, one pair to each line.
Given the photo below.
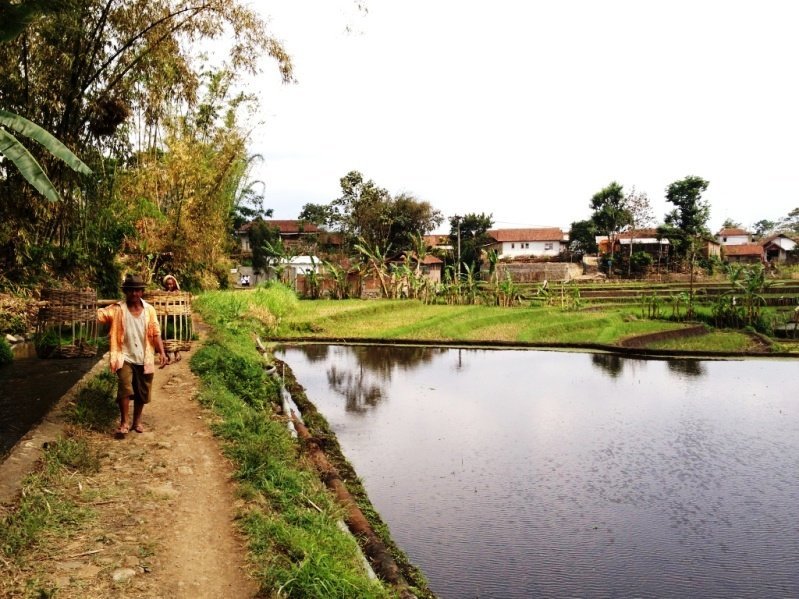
95, 406
45, 511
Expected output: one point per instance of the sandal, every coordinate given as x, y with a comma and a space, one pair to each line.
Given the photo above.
138, 428
122, 431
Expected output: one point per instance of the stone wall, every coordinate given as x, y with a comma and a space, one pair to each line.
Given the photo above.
537, 272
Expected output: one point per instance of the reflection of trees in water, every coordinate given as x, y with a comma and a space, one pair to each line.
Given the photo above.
359, 393
613, 364
692, 368
362, 387
381, 359
315, 352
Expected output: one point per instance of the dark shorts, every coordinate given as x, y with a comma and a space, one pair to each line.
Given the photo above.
133, 381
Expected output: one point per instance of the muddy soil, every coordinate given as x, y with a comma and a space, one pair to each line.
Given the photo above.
165, 508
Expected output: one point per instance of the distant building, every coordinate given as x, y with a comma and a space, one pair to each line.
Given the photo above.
748, 253
777, 247
734, 236
292, 233
517, 243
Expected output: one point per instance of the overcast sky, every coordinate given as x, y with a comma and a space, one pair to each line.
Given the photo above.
524, 109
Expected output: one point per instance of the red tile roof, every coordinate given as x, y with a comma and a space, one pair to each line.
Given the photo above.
735, 232
638, 233
744, 249
545, 234
287, 226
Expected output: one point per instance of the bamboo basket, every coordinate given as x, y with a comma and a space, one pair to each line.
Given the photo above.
174, 316
67, 324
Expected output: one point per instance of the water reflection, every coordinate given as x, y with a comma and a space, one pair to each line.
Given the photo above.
360, 392
365, 387
614, 364
690, 368
548, 474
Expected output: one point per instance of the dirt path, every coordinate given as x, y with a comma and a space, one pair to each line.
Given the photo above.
165, 510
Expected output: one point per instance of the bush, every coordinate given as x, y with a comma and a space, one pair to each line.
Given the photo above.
5, 352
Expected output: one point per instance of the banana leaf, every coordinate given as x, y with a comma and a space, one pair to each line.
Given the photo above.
11, 148
56, 148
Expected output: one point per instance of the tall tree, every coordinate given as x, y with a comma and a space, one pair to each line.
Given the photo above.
81, 72
790, 223
368, 214
582, 237
641, 216
763, 227
468, 236
318, 214
730, 224
610, 214
688, 219
691, 211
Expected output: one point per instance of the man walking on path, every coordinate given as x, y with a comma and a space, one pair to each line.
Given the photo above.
135, 337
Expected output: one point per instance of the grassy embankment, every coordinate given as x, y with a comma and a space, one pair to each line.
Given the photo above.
291, 521
410, 320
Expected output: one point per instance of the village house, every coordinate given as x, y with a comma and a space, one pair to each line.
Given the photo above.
745, 253
643, 240
734, 236
777, 247
292, 233
437, 241
518, 243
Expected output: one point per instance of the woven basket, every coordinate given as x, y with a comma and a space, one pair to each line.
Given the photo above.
67, 324
174, 316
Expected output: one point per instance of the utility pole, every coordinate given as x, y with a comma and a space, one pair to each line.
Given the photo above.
458, 222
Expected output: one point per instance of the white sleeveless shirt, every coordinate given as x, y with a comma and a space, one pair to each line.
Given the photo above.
133, 342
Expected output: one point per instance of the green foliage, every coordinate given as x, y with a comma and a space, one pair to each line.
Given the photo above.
238, 370
469, 235
41, 509
95, 406
743, 305
610, 212
582, 237
12, 323
691, 213
641, 261
28, 166
6, 356
369, 215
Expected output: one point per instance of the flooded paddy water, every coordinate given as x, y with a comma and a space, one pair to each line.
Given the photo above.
507, 473
29, 387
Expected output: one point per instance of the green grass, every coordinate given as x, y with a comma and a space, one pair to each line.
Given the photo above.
719, 341
412, 320
291, 520
95, 406
45, 511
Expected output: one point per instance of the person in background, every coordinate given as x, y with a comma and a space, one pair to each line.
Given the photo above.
171, 285
135, 337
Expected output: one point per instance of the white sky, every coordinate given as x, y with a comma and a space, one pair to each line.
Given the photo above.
524, 109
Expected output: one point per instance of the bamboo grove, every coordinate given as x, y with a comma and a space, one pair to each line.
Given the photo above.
122, 84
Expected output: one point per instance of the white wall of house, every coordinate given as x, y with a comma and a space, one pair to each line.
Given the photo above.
515, 249
784, 243
733, 239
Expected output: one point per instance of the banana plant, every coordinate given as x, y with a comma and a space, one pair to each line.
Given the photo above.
12, 149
